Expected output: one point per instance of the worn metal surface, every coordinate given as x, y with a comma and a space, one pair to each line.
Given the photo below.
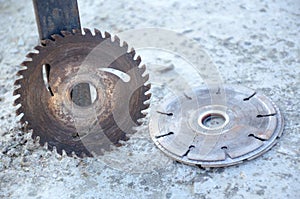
73, 59
194, 131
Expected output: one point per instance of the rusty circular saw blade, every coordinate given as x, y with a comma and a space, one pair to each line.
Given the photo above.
251, 124
73, 58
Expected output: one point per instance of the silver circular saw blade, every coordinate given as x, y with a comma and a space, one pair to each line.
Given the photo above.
192, 130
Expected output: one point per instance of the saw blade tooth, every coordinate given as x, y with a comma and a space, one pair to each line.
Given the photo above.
142, 69
47, 42
146, 78
138, 60
145, 106
76, 31
132, 52
17, 91
38, 48
66, 33
20, 118
24, 121
17, 101
107, 35
76, 154
87, 32
148, 96
83, 155
73, 154
31, 55
148, 87
93, 154
117, 40
44, 144
98, 32
18, 106
139, 122
56, 37
25, 63
50, 147
54, 150
36, 139
19, 110
57, 150
64, 153
125, 45
21, 72
147, 102
144, 113
18, 82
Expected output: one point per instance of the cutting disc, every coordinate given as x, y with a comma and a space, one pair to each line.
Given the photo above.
62, 65
190, 129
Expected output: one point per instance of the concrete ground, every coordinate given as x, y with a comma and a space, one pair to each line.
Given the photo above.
253, 43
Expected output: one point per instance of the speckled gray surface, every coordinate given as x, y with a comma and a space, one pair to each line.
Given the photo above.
255, 44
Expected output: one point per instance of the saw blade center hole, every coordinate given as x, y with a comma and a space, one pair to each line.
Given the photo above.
83, 94
212, 120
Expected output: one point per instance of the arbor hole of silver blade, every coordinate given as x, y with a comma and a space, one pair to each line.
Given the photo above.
82, 96
213, 120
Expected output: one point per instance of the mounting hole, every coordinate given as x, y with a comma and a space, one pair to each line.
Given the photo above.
83, 94
213, 120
